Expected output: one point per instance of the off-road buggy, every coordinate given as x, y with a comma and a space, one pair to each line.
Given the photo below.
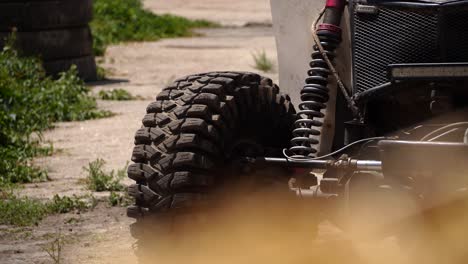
397, 127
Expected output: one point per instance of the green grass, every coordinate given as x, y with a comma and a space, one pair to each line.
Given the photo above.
117, 95
262, 62
120, 199
29, 103
66, 204
101, 72
99, 181
24, 211
21, 211
116, 21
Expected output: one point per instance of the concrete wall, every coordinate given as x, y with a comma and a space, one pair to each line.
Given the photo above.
292, 21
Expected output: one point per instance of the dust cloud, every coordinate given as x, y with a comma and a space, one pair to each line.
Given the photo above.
277, 229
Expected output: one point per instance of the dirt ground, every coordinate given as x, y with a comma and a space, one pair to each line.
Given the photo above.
102, 235
228, 13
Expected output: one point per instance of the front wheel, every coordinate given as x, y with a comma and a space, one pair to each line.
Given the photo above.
195, 128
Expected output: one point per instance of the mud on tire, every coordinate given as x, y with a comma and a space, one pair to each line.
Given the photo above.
188, 135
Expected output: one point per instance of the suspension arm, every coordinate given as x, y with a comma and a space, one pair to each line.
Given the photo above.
350, 164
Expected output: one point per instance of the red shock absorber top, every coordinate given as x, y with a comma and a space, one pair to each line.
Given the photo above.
332, 15
338, 4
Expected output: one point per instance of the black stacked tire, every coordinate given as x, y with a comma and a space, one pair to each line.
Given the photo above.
54, 44
55, 30
189, 135
29, 15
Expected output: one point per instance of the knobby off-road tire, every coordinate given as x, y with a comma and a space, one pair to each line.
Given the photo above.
188, 135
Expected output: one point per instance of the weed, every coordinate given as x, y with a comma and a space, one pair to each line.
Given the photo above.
262, 62
47, 150
119, 199
55, 247
101, 73
126, 20
29, 103
73, 220
114, 199
66, 204
98, 180
23, 211
117, 95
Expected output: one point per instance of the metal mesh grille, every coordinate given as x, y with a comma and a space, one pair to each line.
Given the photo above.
392, 36
456, 34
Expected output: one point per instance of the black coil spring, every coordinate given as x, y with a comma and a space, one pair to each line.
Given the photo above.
314, 96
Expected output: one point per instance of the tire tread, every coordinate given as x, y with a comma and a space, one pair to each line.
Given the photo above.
185, 132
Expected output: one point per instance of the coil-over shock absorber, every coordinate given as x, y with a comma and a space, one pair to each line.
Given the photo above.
315, 93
